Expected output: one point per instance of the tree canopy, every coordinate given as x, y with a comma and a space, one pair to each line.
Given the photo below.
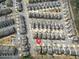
77, 3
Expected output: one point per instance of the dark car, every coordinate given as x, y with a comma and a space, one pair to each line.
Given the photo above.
20, 7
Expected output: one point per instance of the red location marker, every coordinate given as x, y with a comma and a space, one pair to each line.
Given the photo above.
38, 41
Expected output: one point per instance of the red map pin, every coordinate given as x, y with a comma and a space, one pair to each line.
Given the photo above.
38, 41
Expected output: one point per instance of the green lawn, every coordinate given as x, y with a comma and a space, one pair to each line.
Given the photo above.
75, 7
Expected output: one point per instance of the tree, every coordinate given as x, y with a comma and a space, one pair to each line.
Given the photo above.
77, 4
